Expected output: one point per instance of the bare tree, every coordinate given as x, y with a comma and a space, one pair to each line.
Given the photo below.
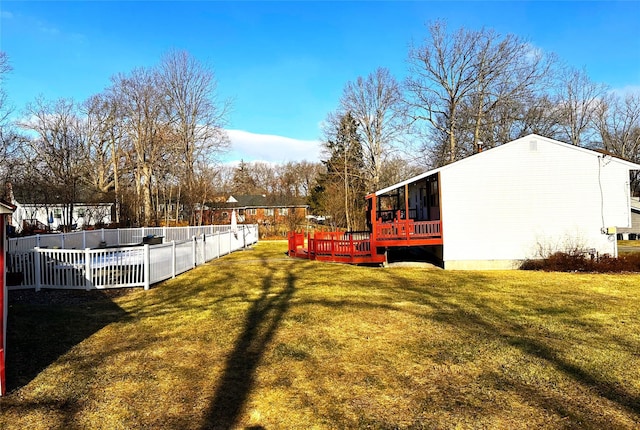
147, 134
374, 102
102, 136
441, 76
5, 68
57, 149
579, 98
470, 87
8, 134
195, 115
509, 73
617, 121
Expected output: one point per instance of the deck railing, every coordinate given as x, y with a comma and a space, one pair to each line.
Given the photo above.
123, 266
408, 229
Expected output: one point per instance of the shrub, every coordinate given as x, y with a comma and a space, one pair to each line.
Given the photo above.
575, 262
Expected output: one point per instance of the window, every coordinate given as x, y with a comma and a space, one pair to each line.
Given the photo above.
283, 211
433, 194
80, 213
268, 212
57, 213
252, 211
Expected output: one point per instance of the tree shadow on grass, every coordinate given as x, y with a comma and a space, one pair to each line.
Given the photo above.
261, 324
42, 326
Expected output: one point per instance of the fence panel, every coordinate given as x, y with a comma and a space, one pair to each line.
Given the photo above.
161, 260
18, 244
111, 237
75, 240
126, 236
118, 267
21, 272
184, 256
51, 241
112, 266
61, 268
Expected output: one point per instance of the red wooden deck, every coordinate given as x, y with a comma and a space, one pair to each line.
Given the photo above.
339, 247
364, 248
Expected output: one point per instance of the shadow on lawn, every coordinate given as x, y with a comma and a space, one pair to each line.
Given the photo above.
261, 324
42, 326
475, 315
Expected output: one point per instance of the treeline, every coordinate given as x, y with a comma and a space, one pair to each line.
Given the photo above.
151, 140
465, 91
148, 142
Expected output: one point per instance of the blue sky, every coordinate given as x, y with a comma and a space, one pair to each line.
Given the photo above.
284, 64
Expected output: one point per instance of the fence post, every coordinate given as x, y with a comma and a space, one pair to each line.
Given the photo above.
204, 248
193, 251
37, 241
218, 238
87, 269
173, 258
147, 267
36, 261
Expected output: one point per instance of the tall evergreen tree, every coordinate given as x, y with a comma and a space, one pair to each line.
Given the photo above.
243, 182
340, 191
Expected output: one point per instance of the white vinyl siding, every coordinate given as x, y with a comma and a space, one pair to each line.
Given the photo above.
508, 202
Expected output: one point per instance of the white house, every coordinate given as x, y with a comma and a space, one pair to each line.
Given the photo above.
53, 216
524, 199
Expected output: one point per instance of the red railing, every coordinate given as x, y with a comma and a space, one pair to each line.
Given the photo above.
334, 246
408, 230
364, 247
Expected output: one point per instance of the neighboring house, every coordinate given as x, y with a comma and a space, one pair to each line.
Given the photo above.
632, 232
524, 199
259, 209
30, 217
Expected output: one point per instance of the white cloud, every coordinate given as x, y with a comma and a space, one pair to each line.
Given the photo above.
270, 148
628, 90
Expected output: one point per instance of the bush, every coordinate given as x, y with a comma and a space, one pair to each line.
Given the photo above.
573, 262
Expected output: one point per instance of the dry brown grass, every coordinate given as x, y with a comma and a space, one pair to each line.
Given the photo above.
257, 340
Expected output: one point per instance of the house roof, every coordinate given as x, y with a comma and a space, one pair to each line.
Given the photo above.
261, 201
489, 152
6, 207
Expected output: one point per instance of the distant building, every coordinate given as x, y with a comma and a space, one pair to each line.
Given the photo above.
269, 212
632, 232
39, 218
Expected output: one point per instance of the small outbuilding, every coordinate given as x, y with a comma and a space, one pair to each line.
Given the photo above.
521, 200
525, 199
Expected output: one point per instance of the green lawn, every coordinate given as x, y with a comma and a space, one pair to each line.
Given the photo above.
257, 340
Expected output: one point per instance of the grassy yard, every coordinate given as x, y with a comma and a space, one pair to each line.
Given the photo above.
256, 340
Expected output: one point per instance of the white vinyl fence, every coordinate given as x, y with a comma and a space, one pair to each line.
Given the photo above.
119, 258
